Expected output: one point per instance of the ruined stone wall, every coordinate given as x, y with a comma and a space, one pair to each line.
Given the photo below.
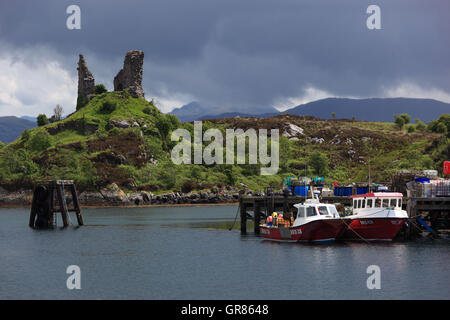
86, 81
130, 77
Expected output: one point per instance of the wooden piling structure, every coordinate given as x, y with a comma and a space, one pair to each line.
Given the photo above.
256, 217
243, 208
43, 209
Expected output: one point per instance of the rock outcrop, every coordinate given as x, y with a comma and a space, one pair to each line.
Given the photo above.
130, 77
112, 195
86, 81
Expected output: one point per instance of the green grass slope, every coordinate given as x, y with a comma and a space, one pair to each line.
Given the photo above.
121, 139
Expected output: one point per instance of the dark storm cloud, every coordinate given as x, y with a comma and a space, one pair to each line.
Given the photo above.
247, 54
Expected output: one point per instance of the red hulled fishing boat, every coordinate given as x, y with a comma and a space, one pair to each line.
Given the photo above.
376, 217
315, 222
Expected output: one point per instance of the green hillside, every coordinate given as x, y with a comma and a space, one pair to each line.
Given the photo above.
125, 140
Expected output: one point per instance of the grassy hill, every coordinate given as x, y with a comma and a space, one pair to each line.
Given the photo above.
121, 139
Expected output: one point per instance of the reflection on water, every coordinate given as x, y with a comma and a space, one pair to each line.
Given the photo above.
189, 253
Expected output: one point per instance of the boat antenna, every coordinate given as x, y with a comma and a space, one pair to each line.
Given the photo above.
369, 176
304, 178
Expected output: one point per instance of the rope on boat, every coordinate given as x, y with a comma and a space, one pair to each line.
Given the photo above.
350, 228
235, 218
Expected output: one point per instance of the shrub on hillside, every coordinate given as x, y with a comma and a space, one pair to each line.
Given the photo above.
188, 186
14, 162
164, 126
40, 141
147, 110
99, 89
319, 163
420, 126
108, 106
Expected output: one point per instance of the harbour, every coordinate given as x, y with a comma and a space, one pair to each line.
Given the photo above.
189, 253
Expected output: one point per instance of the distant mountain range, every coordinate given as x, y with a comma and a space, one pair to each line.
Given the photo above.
373, 109
197, 111
12, 127
32, 119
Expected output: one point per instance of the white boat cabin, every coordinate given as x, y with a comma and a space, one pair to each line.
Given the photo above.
377, 201
313, 209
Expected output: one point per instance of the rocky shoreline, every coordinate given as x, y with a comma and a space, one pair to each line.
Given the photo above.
112, 195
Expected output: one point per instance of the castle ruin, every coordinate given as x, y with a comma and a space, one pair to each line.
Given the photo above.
130, 77
86, 81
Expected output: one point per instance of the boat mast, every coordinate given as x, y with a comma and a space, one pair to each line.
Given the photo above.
369, 175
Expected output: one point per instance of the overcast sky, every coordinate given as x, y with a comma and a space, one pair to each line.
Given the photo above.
246, 55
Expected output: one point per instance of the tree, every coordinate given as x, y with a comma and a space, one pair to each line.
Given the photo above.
174, 121
99, 89
1, 144
319, 163
57, 113
420, 126
163, 125
441, 125
406, 117
42, 120
441, 128
399, 121
333, 114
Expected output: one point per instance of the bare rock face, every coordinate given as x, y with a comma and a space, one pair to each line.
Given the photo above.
86, 81
130, 77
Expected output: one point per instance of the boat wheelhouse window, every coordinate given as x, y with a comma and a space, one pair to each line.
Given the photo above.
399, 203
369, 203
333, 210
393, 203
301, 212
323, 210
359, 203
377, 203
385, 203
355, 202
363, 203
310, 211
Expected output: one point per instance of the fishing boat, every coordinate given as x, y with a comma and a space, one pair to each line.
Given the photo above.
376, 217
314, 222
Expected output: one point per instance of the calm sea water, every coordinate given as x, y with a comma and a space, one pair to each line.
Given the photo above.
188, 253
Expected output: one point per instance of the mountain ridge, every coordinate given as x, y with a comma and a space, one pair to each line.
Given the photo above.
369, 109
11, 127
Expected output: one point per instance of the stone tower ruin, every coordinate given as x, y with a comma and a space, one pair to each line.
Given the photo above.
86, 81
130, 77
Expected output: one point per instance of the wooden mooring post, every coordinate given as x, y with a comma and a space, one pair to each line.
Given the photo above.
43, 210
